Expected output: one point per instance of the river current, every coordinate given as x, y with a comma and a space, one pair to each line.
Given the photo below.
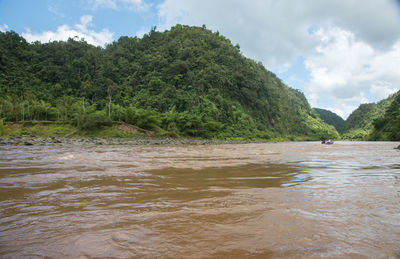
267, 200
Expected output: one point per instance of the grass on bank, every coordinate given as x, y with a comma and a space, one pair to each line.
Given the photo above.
49, 129
57, 129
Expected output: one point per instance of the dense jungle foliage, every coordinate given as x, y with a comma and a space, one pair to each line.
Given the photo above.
361, 122
331, 118
187, 81
387, 127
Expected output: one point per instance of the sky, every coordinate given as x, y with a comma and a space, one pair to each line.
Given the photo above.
340, 53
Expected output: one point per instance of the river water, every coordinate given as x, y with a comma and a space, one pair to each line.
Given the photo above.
269, 200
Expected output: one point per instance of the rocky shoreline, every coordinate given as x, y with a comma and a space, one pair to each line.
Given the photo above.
30, 141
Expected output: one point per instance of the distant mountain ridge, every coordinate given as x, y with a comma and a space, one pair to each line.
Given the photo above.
331, 118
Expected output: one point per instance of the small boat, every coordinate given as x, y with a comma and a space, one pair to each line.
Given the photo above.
326, 141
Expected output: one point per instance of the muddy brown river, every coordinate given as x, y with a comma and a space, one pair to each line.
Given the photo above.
277, 200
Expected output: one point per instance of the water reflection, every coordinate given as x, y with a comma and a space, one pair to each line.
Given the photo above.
286, 200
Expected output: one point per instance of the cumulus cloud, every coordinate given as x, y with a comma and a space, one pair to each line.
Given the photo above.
345, 71
382, 90
277, 32
80, 31
265, 30
3, 27
350, 47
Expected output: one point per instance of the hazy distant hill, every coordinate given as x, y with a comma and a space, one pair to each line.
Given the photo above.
331, 118
187, 81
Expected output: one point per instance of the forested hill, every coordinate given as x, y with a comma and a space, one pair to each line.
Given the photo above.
387, 127
187, 81
331, 118
360, 123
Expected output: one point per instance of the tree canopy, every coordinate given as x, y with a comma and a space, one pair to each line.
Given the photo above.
360, 124
331, 118
186, 81
387, 127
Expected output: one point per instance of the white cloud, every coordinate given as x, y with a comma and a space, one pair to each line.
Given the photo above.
136, 5
346, 70
262, 28
351, 47
81, 31
3, 27
277, 32
85, 22
382, 90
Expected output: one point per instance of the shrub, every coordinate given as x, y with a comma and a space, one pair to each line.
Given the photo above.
94, 121
145, 119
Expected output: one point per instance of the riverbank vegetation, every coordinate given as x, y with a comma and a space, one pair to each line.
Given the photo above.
331, 118
374, 121
387, 127
58, 129
185, 82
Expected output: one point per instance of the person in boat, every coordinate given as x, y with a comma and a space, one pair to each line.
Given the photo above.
323, 141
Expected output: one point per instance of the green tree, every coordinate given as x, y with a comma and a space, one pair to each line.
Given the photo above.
387, 127
216, 91
360, 123
331, 119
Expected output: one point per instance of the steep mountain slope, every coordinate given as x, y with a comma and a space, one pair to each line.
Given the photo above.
359, 124
187, 81
387, 127
331, 118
